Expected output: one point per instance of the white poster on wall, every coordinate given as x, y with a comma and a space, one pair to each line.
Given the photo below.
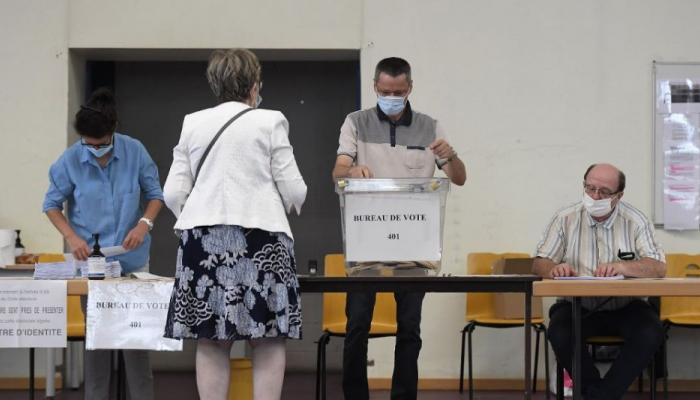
681, 171
129, 314
392, 227
32, 313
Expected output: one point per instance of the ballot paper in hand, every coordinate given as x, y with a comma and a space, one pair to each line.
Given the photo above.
111, 251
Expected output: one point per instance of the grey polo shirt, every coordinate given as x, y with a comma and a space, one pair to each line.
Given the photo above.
391, 149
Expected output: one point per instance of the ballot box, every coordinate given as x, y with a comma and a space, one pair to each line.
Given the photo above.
392, 226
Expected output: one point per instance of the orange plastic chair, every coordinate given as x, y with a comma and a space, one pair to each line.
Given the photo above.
334, 319
680, 311
481, 312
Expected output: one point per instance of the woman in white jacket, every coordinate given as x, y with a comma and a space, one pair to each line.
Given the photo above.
236, 274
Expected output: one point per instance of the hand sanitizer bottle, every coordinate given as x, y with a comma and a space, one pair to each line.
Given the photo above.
96, 261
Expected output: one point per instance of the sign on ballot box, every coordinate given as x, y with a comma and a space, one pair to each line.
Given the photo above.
129, 314
32, 313
392, 227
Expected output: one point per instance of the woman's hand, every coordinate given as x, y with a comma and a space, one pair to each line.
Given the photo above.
135, 236
78, 247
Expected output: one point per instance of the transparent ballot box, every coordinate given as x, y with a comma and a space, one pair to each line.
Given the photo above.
392, 226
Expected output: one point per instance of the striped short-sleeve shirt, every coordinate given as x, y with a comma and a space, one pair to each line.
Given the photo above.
575, 238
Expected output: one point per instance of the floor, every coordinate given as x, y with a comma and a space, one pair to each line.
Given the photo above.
181, 385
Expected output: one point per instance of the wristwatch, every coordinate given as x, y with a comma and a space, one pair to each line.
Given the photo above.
147, 222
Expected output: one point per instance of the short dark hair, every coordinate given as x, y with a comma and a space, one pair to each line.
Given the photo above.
393, 66
97, 118
621, 179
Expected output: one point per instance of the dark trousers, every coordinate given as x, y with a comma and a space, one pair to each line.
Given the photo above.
359, 308
637, 323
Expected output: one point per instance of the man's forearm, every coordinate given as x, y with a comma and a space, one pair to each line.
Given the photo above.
456, 171
644, 268
542, 267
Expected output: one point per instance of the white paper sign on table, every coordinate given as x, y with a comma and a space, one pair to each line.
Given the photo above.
392, 227
32, 313
129, 314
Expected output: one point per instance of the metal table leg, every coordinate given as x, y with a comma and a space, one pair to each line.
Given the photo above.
528, 327
50, 372
31, 373
576, 336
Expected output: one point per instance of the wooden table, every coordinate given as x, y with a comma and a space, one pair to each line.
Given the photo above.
452, 284
444, 284
576, 289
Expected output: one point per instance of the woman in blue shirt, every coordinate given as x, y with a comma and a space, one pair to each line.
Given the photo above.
102, 178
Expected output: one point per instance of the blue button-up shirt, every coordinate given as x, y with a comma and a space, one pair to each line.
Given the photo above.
106, 200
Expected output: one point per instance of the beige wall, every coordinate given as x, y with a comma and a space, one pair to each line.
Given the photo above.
33, 112
530, 93
263, 24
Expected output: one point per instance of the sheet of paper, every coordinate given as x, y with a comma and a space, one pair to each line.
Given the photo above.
590, 278
112, 251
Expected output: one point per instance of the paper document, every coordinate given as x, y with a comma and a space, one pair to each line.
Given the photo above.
149, 276
590, 278
107, 251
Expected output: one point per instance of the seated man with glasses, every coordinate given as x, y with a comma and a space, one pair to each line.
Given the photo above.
603, 236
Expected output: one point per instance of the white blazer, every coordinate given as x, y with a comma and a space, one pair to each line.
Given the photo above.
249, 178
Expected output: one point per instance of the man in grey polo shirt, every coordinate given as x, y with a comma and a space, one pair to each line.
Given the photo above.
603, 236
390, 141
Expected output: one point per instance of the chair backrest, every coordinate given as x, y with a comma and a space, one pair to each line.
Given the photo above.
680, 266
334, 320
50, 257
482, 304
75, 318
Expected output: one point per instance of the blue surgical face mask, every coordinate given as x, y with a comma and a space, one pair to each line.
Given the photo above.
391, 105
101, 151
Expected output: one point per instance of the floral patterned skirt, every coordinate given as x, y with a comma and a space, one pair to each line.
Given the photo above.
234, 283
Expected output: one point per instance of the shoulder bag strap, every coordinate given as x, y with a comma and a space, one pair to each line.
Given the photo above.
213, 141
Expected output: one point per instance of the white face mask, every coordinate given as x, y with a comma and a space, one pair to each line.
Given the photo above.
597, 208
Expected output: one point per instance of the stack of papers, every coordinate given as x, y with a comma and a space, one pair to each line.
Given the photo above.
56, 270
113, 270
590, 278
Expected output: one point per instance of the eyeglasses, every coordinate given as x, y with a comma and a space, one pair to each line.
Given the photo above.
602, 192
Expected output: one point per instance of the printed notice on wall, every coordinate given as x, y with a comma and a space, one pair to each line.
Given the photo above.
32, 313
129, 315
681, 171
392, 227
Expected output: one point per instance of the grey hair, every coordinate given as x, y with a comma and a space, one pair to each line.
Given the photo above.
232, 73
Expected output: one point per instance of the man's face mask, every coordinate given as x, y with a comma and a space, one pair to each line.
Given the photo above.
597, 208
391, 105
